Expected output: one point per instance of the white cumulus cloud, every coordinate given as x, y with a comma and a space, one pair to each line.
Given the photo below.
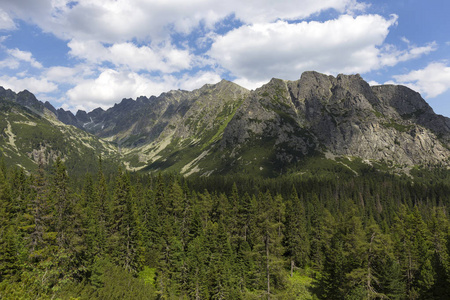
61, 74
9, 63
112, 86
108, 88
348, 44
32, 84
392, 56
127, 48
6, 22
190, 83
69, 75
24, 56
122, 20
167, 59
431, 81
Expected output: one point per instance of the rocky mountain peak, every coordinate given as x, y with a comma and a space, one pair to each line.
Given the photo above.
341, 115
223, 86
223, 126
125, 103
142, 99
82, 116
404, 100
7, 93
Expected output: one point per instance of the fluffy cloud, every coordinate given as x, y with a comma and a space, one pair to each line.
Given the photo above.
61, 74
122, 20
5, 21
111, 86
167, 59
249, 84
69, 75
33, 84
392, 56
257, 11
128, 48
16, 56
348, 44
24, 56
431, 81
373, 83
190, 83
9, 63
91, 50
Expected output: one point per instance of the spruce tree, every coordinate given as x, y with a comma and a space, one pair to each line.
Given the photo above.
40, 213
440, 229
67, 225
124, 231
296, 236
8, 231
268, 243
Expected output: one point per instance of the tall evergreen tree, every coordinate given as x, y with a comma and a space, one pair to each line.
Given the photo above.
8, 230
296, 236
40, 214
101, 210
124, 231
66, 224
62, 204
322, 231
439, 230
413, 249
268, 243
219, 262
197, 283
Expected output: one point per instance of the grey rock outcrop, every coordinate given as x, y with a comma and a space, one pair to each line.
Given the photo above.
342, 115
222, 127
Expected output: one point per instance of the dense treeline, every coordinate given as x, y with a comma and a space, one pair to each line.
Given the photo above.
128, 236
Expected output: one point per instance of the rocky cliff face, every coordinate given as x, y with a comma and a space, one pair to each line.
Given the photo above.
341, 116
187, 125
135, 122
224, 127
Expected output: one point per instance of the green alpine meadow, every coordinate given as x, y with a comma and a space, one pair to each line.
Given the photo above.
324, 187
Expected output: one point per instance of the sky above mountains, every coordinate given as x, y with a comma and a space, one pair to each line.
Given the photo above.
90, 53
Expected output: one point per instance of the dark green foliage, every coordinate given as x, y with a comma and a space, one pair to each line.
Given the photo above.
129, 236
8, 249
110, 281
123, 240
296, 235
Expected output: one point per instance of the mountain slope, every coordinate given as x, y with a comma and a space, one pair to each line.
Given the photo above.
187, 128
340, 116
282, 126
27, 137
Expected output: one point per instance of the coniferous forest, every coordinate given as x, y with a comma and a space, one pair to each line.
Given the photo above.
122, 235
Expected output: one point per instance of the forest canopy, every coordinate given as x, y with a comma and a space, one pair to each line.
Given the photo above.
120, 235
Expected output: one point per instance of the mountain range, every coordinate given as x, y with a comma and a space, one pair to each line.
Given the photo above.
283, 126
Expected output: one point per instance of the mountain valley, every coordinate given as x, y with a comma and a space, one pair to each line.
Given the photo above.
319, 188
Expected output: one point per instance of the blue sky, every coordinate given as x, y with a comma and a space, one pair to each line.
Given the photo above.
89, 53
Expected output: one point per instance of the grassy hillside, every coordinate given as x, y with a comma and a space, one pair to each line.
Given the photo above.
26, 137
